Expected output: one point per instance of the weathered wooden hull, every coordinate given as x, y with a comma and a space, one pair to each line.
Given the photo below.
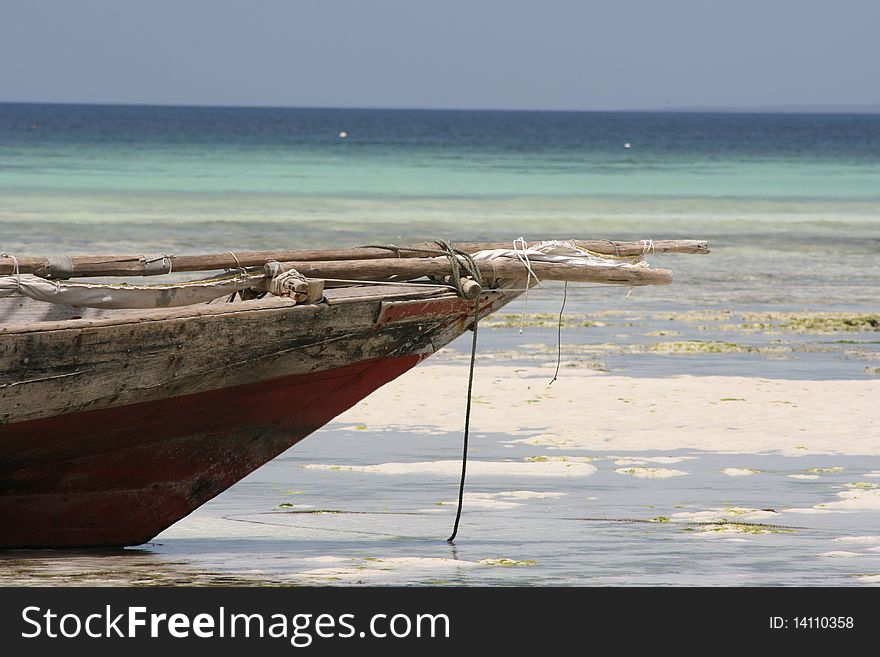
112, 430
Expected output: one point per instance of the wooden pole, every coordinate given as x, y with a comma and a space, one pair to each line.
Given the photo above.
140, 265
504, 268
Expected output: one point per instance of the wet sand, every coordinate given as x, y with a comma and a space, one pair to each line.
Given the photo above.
589, 410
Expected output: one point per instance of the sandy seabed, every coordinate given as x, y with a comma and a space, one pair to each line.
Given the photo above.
588, 410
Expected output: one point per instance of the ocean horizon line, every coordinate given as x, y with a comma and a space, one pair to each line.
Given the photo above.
865, 109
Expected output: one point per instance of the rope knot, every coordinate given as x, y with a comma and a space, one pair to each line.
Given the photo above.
460, 260
292, 284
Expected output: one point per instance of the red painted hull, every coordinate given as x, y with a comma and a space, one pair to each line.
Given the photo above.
119, 476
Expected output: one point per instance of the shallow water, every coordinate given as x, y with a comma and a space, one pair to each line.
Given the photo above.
589, 518
606, 528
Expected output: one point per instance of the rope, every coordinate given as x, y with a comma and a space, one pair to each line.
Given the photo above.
241, 272
559, 334
458, 260
15, 270
427, 249
148, 260
467, 421
524, 259
241, 269
289, 284
367, 283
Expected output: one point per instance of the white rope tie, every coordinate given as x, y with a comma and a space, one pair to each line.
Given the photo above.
163, 257
524, 259
15, 269
288, 284
494, 274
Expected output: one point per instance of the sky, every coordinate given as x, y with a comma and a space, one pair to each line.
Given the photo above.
465, 54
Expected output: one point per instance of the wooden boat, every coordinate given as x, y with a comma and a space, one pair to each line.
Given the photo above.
116, 423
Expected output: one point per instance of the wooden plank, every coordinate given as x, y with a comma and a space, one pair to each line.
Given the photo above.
137, 265
502, 268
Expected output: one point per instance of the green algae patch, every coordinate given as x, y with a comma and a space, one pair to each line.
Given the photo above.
726, 399
736, 511
537, 320
660, 519
814, 322
360, 427
508, 563
696, 316
712, 347
836, 468
834, 323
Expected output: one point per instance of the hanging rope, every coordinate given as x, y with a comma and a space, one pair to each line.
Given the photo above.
559, 334
467, 422
523, 257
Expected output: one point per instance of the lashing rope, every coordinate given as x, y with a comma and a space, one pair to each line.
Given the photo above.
458, 260
16, 272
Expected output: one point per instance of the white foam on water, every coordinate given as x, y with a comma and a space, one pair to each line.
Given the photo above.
651, 473
566, 468
386, 570
859, 539
804, 476
548, 441
502, 500
739, 472
856, 500
642, 460
530, 494
852, 500
840, 554
729, 514
720, 534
